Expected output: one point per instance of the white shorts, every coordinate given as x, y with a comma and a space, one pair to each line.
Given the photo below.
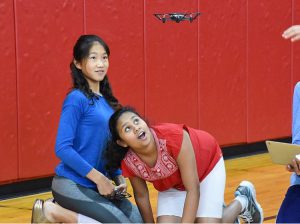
171, 201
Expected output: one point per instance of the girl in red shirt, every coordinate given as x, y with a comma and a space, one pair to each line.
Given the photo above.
184, 164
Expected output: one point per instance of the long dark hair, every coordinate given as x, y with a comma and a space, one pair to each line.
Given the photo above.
81, 51
115, 153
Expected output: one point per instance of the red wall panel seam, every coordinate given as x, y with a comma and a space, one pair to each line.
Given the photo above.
198, 68
84, 17
292, 53
145, 61
17, 86
292, 49
247, 72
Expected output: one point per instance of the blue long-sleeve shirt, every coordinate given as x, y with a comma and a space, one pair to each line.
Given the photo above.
296, 126
82, 136
296, 115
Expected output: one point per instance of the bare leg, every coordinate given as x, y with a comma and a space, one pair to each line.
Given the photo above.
208, 220
55, 213
231, 212
168, 219
176, 219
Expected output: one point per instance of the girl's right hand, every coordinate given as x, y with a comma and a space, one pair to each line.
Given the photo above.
105, 187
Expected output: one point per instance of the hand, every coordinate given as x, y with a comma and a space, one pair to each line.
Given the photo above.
105, 187
120, 192
294, 166
121, 188
292, 33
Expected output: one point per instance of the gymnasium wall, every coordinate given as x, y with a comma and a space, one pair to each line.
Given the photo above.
229, 72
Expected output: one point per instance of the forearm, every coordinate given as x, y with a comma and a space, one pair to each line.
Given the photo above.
69, 156
145, 209
190, 206
96, 176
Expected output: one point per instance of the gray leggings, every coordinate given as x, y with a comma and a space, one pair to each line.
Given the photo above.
90, 203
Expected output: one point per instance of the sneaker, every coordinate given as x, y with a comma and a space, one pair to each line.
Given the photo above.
253, 213
237, 221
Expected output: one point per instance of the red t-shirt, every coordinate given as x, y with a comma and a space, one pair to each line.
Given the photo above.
165, 174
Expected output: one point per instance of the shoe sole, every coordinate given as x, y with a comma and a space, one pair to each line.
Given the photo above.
33, 208
252, 189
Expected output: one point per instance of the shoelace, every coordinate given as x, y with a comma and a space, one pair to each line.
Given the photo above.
246, 216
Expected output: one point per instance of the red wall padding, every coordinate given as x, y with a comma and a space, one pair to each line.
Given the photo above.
269, 70
171, 65
121, 25
296, 46
8, 95
46, 32
223, 70
229, 72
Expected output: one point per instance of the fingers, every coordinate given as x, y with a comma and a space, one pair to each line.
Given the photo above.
296, 38
292, 33
117, 194
106, 188
289, 32
290, 168
111, 195
121, 187
295, 164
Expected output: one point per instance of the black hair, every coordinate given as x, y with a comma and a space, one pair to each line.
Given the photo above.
115, 153
81, 51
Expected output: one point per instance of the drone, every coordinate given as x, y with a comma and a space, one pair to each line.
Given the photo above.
177, 17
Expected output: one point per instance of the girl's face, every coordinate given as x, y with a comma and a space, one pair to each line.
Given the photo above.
95, 66
133, 131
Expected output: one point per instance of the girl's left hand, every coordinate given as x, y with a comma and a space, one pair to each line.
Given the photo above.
294, 166
121, 188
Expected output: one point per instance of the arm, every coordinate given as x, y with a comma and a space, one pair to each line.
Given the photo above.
295, 163
296, 115
292, 33
188, 169
141, 196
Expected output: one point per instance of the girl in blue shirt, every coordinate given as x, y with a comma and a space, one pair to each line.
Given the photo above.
81, 183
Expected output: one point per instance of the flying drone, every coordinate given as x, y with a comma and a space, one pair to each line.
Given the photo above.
177, 17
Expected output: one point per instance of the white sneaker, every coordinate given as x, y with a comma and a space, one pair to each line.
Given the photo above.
253, 213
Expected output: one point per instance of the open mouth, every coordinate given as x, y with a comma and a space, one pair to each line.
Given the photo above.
142, 135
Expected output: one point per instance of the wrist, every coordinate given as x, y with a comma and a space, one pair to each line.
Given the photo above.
95, 176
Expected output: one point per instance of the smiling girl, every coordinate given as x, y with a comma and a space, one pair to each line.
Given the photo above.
82, 183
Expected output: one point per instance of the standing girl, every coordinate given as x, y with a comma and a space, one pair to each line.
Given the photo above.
184, 164
82, 183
